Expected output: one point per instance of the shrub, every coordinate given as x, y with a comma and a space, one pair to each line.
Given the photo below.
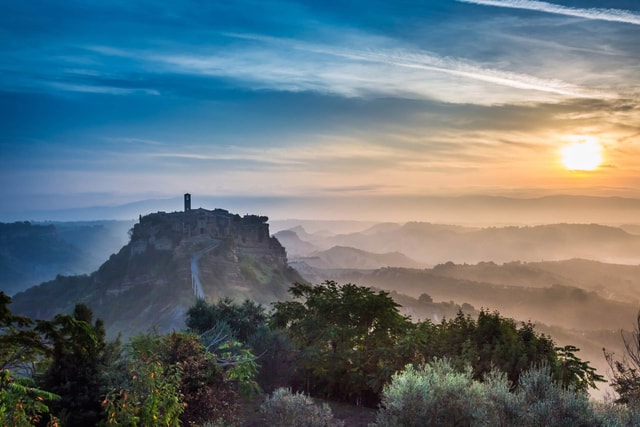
504, 407
439, 395
286, 409
547, 404
610, 414
434, 395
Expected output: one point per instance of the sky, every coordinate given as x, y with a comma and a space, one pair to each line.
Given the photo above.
113, 102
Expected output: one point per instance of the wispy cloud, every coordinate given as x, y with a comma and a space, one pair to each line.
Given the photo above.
109, 90
292, 65
239, 155
616, 15
458, 67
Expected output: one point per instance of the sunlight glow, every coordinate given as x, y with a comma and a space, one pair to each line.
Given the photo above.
585, 155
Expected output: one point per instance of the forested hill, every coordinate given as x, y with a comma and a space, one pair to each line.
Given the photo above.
32, 253
148, 283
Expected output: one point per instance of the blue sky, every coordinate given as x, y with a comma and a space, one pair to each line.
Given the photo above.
104, 103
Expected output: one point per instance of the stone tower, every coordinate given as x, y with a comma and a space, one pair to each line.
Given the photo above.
187, 202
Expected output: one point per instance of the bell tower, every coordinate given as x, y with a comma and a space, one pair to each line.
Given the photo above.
187, 202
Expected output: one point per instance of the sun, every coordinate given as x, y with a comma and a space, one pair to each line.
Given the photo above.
583, 155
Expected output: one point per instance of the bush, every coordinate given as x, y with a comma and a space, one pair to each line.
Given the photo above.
546, 403
286, 409
438, 395
433, 395
610, 414
504, 407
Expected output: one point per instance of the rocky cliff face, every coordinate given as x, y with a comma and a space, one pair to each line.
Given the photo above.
170, 260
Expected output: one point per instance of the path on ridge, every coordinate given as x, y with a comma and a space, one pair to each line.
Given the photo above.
195, 270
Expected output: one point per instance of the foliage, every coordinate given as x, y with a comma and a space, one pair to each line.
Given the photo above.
494, 342
438, 394
277, 358
242, 319
626, 371
188, 386
547, 403
434, 395
78, 351
21, 404
239, 366
151, 397
345, 337
571, 371
611, 414
350, 340
286, 409
504, 408
20, 345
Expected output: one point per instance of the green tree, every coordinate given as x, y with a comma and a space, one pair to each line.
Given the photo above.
75, 372
21, 403
151, 398
346, 337
502, 345
20, 345
173, 379
243, 319
571, 371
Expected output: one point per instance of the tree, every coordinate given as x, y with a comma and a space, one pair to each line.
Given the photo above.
20, 345
21, 403
571, 371
626, 371
501, 344
78, 350
172, 380
242, 319
346, 337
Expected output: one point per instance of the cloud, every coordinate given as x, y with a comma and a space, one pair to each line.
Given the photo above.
615, 15
291, 65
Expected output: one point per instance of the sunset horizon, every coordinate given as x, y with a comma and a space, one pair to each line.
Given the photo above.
110, 104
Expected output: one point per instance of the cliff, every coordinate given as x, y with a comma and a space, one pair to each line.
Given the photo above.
170, 260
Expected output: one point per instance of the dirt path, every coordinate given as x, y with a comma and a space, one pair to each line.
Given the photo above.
195, 270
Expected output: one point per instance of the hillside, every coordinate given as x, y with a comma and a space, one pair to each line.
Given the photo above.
31, 253
149, 284
611, 281
437, 243
342, 257
551, 303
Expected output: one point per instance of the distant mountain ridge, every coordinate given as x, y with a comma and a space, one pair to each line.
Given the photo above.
432, 244
343, 257
149, 284
477, 210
